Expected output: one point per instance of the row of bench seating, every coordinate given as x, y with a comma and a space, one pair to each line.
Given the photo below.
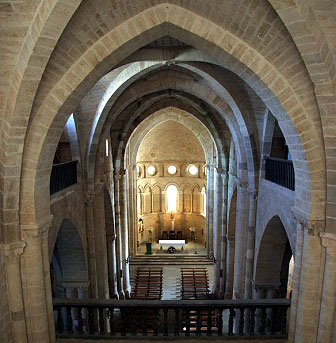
194, 284
148, 284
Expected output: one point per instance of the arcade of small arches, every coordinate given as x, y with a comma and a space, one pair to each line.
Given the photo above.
127, 124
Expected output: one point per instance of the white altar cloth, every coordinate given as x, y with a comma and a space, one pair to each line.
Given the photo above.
176, 243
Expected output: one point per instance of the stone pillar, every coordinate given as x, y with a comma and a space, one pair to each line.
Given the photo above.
33, 279
11, 254
124, 228
91, 245
328, 304
240, 240
229, 267
217, 227
250, 244
210, 207
224, 235
119, 247
71, 293
112, 266
82, 293
100, 242
296, 280
312, 268
258, 293
46, 269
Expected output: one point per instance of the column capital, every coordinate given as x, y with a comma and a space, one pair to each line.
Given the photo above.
329, 242
241, 183
89, 196
313, 227
221, 171
33, 233
12, 251
253, 193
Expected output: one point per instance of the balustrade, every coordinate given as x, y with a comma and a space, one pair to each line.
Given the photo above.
63, 175
201, 318
280, 172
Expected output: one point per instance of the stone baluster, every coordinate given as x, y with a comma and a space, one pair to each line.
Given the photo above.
11, 254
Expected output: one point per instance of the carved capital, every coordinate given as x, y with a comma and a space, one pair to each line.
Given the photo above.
89, 196
329, 242
12, 251
98, 188
241, 183
34, 233
315, 227
253, 193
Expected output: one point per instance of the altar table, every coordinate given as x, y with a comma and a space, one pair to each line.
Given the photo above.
176, 243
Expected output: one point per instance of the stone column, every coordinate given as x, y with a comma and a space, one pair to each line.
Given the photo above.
258, 293
229, 267
112, 266
124, 228
224, 235
296, 280
328, 304
11, 254
210, 206
217, 227
91, 245
82, 293
119, 247
47, 280
33, 279
250, 244
71, 293
309, 301
240, 240
100, 242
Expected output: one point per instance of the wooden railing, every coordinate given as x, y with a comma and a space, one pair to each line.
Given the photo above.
63, 175
280, 172
92, 318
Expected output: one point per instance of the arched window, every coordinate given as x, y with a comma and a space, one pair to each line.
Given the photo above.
204, 202
172, 198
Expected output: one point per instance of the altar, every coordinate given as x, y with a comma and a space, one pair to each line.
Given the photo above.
175, 243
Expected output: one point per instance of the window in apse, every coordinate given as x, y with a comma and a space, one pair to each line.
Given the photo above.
172, 198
